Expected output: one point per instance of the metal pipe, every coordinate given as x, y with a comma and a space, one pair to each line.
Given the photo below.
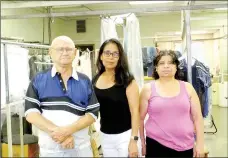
183, 26
49, 25
43, 29
188, 44
43, 38
24, 44
13, 104
34, 4
12, 38
203, 39
21, 132
8, 110
101, 12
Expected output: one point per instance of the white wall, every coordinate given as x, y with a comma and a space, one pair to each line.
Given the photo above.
206, 55
27, 29
68, 28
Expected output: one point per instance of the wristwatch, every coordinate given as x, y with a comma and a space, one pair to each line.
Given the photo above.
135, 138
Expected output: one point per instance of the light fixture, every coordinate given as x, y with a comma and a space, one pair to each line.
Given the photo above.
177, 33
199, 32
221, 8
194, 32
148, 2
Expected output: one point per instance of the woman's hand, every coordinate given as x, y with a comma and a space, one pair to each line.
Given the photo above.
133, 148
143, 149
198, 150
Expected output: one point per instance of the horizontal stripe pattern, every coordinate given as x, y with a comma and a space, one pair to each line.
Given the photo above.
63, 108
33, 100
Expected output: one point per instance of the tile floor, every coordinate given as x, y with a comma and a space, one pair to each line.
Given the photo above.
217, 144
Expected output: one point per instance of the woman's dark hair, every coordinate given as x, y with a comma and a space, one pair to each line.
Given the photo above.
174, 60
122, 73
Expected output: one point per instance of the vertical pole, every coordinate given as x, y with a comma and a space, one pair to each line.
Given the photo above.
188, 44
21, 131
8, 110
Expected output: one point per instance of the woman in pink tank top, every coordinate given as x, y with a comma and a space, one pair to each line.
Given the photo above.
174, 112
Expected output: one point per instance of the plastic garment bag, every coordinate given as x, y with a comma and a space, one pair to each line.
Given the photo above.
18, 73
108, 29
132, 46
83, 64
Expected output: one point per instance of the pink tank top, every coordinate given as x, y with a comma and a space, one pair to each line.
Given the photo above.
170, 122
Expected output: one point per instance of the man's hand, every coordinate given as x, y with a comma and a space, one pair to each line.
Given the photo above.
59, 134
133, 149
68, 143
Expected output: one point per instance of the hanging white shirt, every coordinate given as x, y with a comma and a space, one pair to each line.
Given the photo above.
85, 64
18, 73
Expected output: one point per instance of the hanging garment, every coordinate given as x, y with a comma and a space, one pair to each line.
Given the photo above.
133, 48
144, 59
201, 81
183, 70
152, 52
18, 69
178, 54
83, 64
33, 67
148, 54
47, 59
108, 29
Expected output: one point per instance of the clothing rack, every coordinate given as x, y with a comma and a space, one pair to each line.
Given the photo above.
85, 51
213, 124
38, 51
8, 104
43, 63
186, 48
212, 121
9, 127
35, 48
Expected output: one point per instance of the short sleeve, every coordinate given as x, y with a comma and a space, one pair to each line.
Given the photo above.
32, 103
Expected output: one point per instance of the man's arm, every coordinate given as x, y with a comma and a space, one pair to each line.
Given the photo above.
33, 110
39, 121
33, 115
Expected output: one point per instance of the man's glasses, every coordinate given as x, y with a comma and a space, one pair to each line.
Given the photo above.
61, 50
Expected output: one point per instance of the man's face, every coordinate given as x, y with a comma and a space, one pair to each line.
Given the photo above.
62, 52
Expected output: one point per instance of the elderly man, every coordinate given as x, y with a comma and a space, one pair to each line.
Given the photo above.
62, 104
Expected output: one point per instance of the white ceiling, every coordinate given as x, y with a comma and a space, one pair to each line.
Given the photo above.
80, 6
95, 5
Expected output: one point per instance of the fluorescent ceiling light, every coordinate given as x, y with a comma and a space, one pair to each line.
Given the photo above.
177, 33
148, 2
220, 8
199, 32
193, 32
